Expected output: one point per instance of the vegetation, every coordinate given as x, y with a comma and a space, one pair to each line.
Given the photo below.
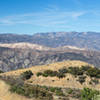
55, 90
81, 79
88, 94
1, 71
51, 73
80, 72
75, 71
70, 91
39, 74
88, 70
63, 70
32, 91
26, 75
94, 81
59, 92
46, 93
60, 75
19, 86
93, 72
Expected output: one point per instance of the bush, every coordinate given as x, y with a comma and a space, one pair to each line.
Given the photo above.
85, 68
50, 73
60, 75
93, 72
18, 89
88, 94
70, 91
81, 79
47, 73
39, 74
95, 81
63, 70
75, 71
1, 71
52, 89
26, 75
32, 91
59, 92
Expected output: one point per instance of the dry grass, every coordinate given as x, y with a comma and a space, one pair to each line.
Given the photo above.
6, 95
54, 81
47, 81
53, 66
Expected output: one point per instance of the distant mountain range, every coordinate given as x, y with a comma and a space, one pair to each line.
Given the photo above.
88, 40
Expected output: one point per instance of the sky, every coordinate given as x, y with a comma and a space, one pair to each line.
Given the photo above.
33, 16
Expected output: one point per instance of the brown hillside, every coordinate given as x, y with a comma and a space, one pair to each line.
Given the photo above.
6, 95
69, 81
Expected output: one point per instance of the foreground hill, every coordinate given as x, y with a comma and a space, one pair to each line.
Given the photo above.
86, 40
56, 81
52, 81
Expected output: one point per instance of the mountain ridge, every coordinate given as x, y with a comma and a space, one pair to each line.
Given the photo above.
87, 40
16, 58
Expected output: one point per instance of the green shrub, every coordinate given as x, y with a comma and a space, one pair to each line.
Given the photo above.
32, 91
50, 73
85, 68
45, 75
18, 89
95, 81
88, 94
26, 75
93, 72
59, 92
70, 91
75, 71
63, 70
81, 79
60, 75
52, 89
39, 74
1, 71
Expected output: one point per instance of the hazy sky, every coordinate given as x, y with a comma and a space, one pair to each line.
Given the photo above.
31, 16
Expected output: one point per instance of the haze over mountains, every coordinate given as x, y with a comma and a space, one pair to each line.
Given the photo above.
88, 40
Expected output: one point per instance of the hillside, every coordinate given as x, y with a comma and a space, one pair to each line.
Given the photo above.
55, 67
6, 95
67, 86
13, 58
88, 40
